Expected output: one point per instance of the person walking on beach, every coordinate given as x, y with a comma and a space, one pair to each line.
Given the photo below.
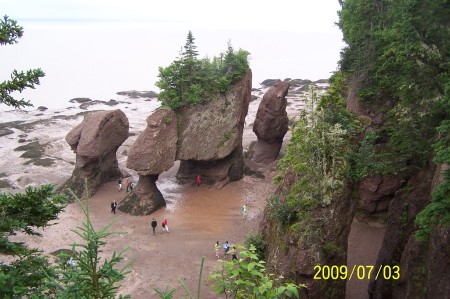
226, 248
217, 248
244, 210
120, 185
165, 226
113, 206
198, 181
154, 224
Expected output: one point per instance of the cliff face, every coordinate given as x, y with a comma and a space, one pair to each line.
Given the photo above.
425, 266
322, 241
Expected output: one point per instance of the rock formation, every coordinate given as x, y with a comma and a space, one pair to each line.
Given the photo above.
271, 123
425, 271
377, 191
153, 152
210, 136
206, 138
95, 142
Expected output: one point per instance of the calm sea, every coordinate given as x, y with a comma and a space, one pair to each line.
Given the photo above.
98, 59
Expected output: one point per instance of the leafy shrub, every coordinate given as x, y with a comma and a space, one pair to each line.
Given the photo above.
257, 240
247, 278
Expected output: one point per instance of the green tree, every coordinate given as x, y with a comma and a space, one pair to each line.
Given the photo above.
23, 212
188, 81
10, 32
88, 277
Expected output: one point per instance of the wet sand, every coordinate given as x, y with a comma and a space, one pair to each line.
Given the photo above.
364, 243
197, 218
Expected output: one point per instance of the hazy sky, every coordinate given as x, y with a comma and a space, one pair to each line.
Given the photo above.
295, 15
94, 48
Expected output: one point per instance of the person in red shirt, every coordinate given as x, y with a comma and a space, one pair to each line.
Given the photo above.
199, 181
165, 226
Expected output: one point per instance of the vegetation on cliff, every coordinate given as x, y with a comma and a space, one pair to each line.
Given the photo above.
316, 164
398, 52
188, 81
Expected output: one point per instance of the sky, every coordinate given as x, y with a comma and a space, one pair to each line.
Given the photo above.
98, 47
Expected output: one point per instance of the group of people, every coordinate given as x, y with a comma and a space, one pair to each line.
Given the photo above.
226, 248
127, 184
165, 226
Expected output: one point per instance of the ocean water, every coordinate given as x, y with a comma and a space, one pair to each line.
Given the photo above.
96, 59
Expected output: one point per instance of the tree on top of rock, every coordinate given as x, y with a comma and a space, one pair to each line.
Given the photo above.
188, 81
190, 51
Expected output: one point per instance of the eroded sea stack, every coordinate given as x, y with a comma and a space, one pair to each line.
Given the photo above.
153, 152
206, 138
95, 142
271, 123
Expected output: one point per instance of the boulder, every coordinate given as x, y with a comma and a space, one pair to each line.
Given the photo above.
154, 151
271, 123
95, 142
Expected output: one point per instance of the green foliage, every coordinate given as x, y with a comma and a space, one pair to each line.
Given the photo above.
365, 160
10, 32
316, 157
89, 278
257, 241
188, 81
27, 277
247, 278
398, 53
282, 212
437, 212
22, 212
166, 294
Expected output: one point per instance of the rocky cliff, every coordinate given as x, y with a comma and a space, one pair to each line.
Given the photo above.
320, 238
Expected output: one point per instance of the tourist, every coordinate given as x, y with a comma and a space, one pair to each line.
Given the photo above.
217, 248
234, 254
226, 248
113, 206
154, 224
199, 180
71, 262
165, 226
244, 211
126, 183
120, 185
